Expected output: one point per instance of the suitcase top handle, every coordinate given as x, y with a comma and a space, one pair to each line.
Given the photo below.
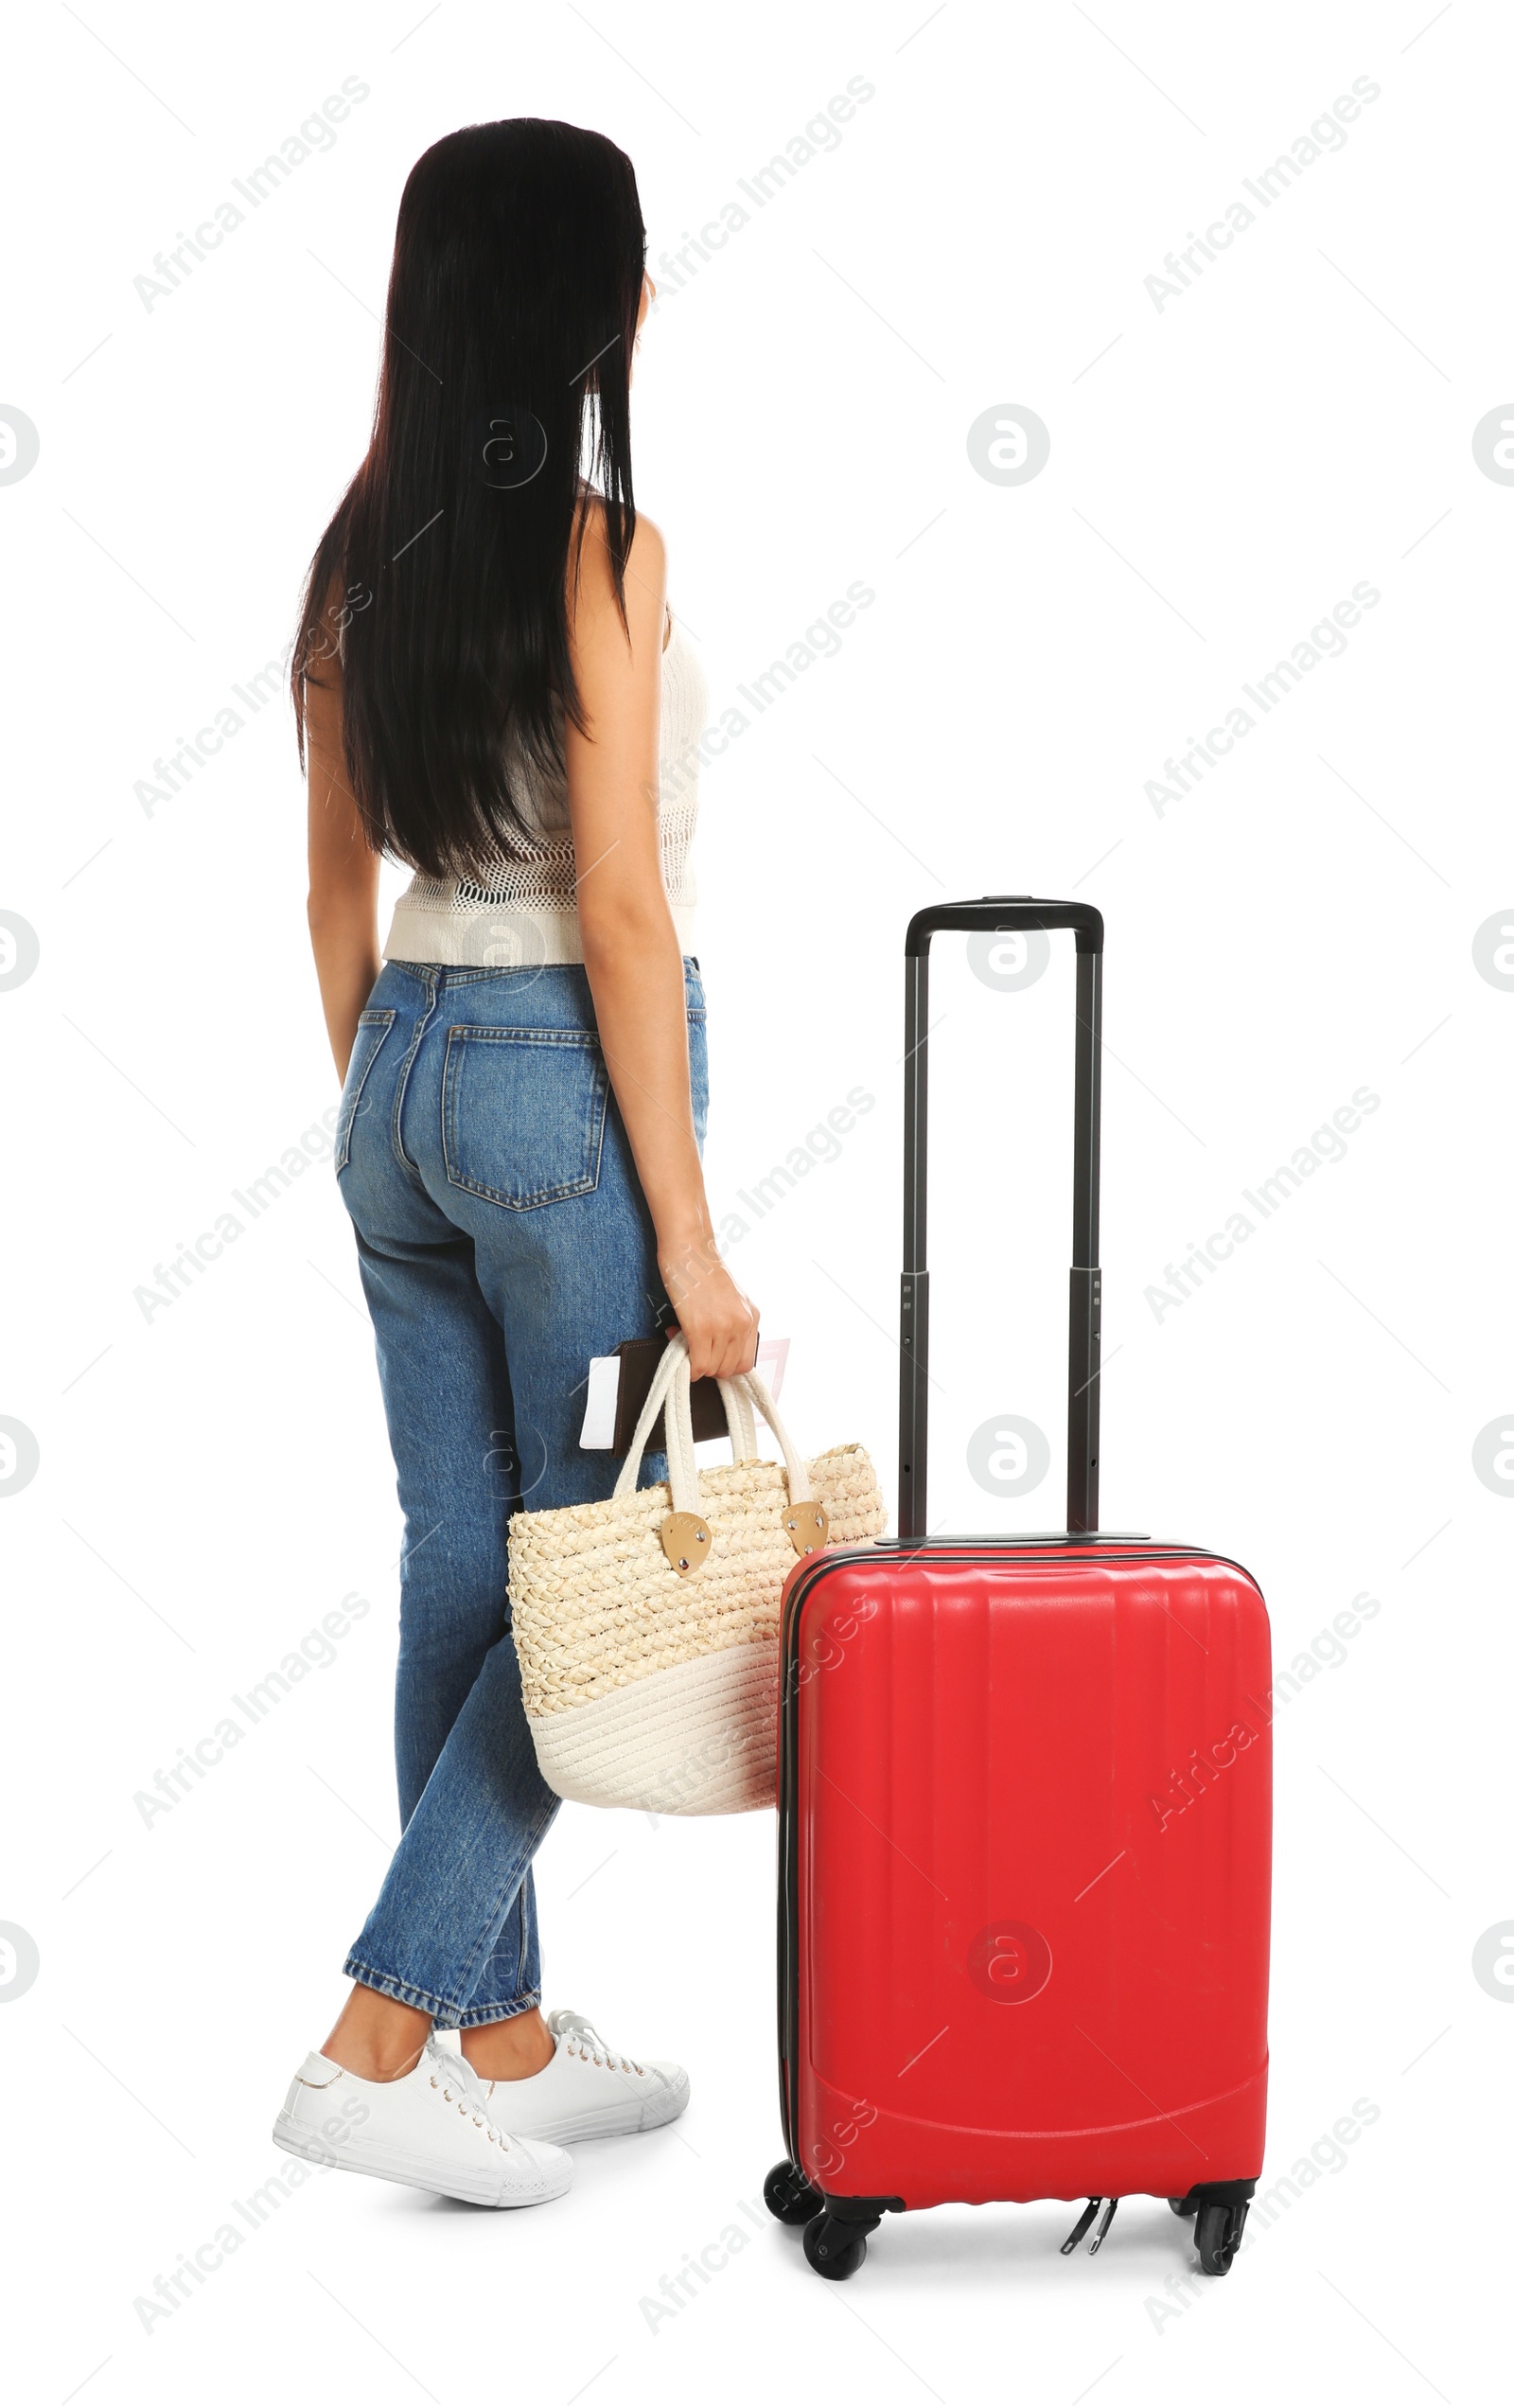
1007, 911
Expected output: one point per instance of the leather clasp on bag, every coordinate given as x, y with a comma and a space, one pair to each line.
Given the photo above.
807, 1525
685, 1540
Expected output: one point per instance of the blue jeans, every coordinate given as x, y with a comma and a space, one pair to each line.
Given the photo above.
504, 1240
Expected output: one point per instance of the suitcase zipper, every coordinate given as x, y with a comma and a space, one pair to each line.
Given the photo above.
1082, 2224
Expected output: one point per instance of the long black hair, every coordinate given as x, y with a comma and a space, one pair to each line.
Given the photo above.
504, 400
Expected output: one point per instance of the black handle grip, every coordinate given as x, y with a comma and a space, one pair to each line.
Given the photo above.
1011, 913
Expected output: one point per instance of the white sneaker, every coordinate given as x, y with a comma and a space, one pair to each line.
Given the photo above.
589, 2091
432, 2128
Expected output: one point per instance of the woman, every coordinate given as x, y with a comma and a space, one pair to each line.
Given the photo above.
491, 688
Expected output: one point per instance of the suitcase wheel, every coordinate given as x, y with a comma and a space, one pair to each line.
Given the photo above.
834, 2249
789, 2196
1216, 2235
1184, 2207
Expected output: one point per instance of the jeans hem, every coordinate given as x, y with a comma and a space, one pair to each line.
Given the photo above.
447, 2016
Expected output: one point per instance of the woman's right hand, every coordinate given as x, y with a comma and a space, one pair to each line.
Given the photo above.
716, 1318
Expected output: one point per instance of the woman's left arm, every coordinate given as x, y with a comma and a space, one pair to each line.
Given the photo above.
344, 898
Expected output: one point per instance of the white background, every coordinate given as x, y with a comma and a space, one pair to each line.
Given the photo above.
214, 1479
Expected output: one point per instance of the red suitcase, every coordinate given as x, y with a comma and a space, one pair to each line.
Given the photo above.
1024, 1817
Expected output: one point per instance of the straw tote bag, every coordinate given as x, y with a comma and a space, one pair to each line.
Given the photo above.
646, 1623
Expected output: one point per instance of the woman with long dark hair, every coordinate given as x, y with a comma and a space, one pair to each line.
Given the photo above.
491, 689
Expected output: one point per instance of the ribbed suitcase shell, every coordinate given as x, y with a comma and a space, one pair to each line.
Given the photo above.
1025, 1845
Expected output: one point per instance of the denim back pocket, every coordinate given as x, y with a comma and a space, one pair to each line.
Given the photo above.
373, 1027
523, 1113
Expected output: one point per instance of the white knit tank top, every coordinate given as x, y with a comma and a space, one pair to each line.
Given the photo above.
518, 908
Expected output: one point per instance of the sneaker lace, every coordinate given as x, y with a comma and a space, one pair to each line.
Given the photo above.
460, 2087
582, 2040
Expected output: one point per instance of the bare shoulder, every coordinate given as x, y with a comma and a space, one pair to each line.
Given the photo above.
592, 607
649, 550
321, 671
648, 553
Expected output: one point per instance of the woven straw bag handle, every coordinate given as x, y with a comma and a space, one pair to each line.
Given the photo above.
737, 1417
683, 1477
686, 1532
804, 1518
676, 1350
741, 1426
670, 1386
799, 1490
739, 1420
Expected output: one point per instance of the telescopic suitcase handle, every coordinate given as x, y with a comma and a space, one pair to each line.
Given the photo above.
1008, 912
